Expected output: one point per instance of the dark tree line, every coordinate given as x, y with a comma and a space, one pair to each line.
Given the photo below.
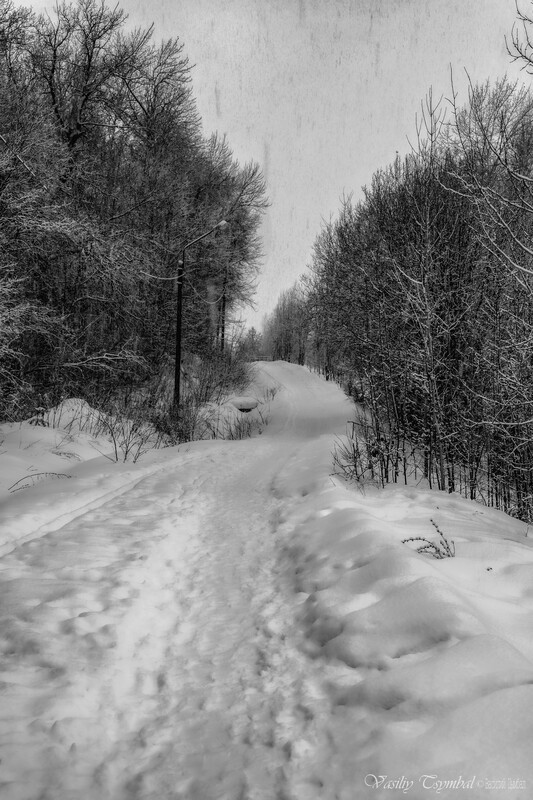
286, 330
104, 176
419, 298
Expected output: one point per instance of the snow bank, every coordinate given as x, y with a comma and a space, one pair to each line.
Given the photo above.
427, 663
57, 466
47, 447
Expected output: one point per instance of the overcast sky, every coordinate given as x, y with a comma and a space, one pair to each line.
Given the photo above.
323, 92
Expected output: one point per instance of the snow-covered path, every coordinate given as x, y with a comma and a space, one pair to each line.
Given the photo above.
151, 631
226, 621
226, 685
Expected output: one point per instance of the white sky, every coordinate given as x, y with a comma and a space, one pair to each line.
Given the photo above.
323, 92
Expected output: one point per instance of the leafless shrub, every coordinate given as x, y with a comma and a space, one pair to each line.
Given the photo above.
124, 423
130, 437
444, 548
36, 477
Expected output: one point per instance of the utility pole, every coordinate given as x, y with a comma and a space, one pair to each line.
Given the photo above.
179, 308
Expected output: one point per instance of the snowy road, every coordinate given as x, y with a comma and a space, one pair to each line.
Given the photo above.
226, 621
151, 635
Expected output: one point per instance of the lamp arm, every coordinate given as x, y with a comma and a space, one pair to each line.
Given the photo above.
199, 239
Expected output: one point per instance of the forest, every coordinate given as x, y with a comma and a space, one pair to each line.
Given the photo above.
419, 300
418, 297
106, 181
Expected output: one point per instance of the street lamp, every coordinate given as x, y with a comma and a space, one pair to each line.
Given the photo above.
181, 272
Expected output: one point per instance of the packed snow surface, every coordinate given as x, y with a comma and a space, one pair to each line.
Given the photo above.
228, 621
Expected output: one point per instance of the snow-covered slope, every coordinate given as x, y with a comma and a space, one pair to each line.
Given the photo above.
226, 621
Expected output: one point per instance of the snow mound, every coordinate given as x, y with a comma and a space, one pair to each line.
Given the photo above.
49, 445
244, 403
427, 663
73, 415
